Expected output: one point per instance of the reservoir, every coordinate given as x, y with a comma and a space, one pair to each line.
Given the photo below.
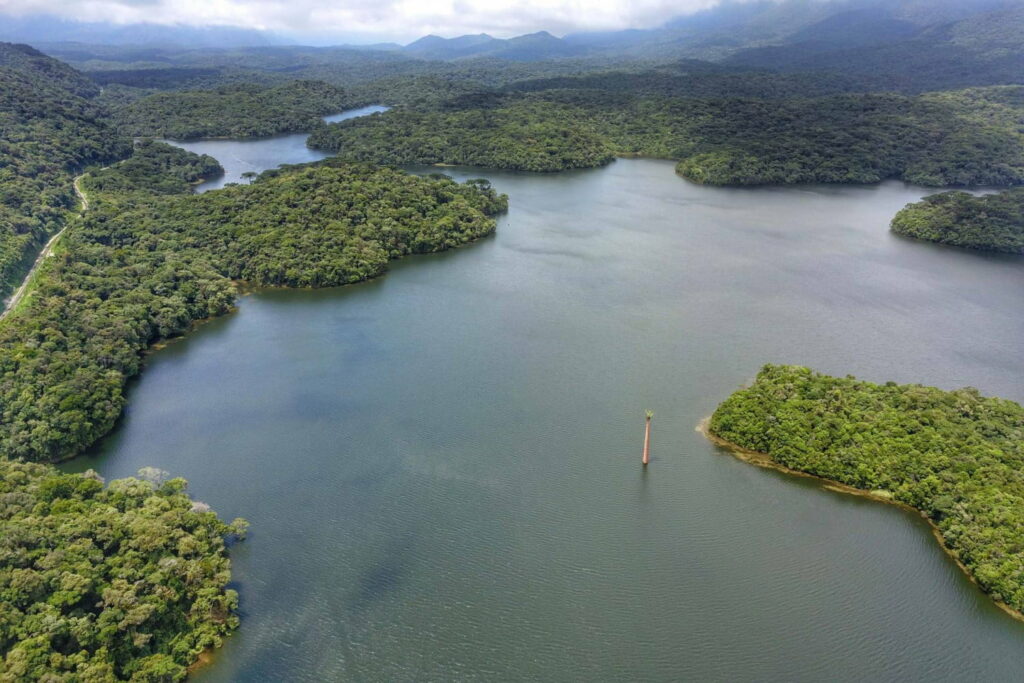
442, 466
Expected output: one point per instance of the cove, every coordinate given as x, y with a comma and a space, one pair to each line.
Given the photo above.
259, 154
442, 466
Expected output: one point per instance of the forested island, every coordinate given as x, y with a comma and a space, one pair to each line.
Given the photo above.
956, 456
992, 222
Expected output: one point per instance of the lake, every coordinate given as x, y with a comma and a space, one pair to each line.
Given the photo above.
442, 466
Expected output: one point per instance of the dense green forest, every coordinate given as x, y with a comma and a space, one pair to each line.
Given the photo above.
969, 137
155, 167
955, 455
533, 136
103, 583
143, 267
992, 222
243, 110
48, 133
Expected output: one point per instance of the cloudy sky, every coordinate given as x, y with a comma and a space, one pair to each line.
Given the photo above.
375, 19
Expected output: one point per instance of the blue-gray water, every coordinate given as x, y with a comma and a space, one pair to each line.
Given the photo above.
255, 156
442, 466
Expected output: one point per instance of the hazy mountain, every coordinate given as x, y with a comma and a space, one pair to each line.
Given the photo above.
48, 29
436, 47
527, 48
981, 49
733, 26
45, 70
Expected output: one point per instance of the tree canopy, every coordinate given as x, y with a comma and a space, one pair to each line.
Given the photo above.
48, 133
991, 222
970, 137
956, 456
155, 167
237, 111
104, 583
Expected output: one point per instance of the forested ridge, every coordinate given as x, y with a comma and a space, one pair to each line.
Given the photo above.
969, 137
992, 222
524, 137
237, 111
956, 456
48, 133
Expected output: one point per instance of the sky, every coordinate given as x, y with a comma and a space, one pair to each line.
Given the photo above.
368, 20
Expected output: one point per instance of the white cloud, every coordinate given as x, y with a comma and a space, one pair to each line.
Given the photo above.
397, 19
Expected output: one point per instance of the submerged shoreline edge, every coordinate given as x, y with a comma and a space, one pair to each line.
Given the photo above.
765, 461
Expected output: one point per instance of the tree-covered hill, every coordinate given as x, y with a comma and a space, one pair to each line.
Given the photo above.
48, 133
156, 167
956, 456
104, 583
46, 73
970, 137
244, 110
523, 136
980, 49
991, 222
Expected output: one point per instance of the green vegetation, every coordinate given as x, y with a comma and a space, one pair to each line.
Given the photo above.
97, 583
158, 168
236, 111
992, 222
954, 455
141, 268
48, 133
970, 137
525, 137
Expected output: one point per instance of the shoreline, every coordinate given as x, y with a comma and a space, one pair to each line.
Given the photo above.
765, 461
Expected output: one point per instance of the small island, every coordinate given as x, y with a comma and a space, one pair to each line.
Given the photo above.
955, 456
992, 222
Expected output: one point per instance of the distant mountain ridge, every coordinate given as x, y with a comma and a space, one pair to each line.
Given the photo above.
777, 34
529, 47
734, 27
45, 70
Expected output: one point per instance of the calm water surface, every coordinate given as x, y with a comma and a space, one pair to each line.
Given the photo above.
244, 156
442, 466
